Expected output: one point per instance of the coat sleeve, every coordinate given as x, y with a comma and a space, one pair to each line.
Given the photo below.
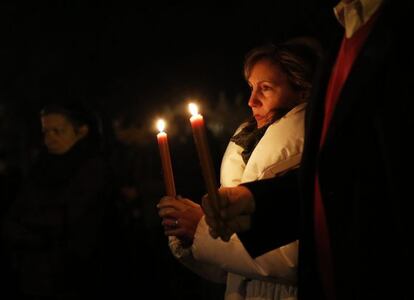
277, 202
185, 256
232, 257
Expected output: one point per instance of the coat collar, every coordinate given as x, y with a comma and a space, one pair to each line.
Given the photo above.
355, 14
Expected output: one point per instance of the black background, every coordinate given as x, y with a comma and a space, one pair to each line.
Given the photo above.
133, 62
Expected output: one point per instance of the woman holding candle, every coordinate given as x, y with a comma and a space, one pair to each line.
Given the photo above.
269, 144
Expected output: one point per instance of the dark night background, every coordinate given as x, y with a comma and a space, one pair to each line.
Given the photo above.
133, 63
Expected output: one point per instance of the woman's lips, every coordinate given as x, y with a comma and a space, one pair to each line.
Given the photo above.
258, 117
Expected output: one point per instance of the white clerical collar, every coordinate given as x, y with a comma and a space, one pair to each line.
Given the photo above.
355, 14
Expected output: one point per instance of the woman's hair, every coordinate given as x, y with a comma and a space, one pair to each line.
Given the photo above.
298, 58
77, 115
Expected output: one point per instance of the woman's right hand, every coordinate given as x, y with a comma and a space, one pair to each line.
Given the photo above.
234, 214
180, 218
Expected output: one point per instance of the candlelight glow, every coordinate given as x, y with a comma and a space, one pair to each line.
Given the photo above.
161, 125
193, 108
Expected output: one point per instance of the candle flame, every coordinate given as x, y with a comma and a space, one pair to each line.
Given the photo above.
161, 125
193, 108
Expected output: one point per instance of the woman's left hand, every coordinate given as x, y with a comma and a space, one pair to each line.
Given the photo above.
180, 217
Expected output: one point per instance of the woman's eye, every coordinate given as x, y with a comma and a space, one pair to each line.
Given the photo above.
59, 131
266, 88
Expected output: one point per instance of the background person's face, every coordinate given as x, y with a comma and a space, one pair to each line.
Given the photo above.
270, 91
59, 134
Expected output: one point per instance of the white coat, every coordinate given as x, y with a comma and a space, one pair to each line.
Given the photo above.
273, 274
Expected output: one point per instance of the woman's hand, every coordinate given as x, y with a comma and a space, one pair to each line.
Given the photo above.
234, 214
180, 217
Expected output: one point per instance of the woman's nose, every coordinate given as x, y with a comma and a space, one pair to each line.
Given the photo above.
253, 100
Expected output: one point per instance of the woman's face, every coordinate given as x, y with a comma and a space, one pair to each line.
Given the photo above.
59, 134
270, 91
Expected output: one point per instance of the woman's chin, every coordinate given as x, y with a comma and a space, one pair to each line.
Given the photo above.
260, 124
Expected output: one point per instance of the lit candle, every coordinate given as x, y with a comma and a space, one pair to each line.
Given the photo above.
165, 159
207, 167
